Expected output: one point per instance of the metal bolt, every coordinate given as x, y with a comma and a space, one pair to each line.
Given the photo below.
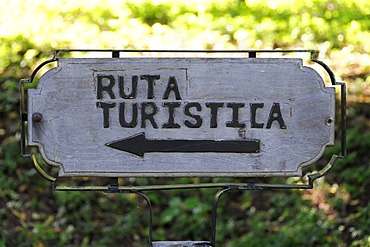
328, 121
36, 117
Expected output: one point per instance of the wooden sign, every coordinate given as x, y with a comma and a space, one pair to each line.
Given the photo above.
181, 116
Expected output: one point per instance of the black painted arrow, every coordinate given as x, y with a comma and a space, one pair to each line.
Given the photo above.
139, 145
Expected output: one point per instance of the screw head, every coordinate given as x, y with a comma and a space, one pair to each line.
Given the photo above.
36, 117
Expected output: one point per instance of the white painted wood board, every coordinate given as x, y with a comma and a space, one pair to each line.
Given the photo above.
72, 133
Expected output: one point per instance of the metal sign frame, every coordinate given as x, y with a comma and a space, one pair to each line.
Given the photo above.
223, 187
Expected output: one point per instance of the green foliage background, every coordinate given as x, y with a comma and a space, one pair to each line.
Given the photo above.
335, 213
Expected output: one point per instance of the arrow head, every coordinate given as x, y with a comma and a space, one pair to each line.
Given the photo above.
134, 144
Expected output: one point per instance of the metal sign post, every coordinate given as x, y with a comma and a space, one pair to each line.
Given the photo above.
181, 116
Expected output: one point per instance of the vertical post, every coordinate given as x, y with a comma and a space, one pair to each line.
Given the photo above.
115, 54
343, 119
150, 216
214, 214
252, 54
